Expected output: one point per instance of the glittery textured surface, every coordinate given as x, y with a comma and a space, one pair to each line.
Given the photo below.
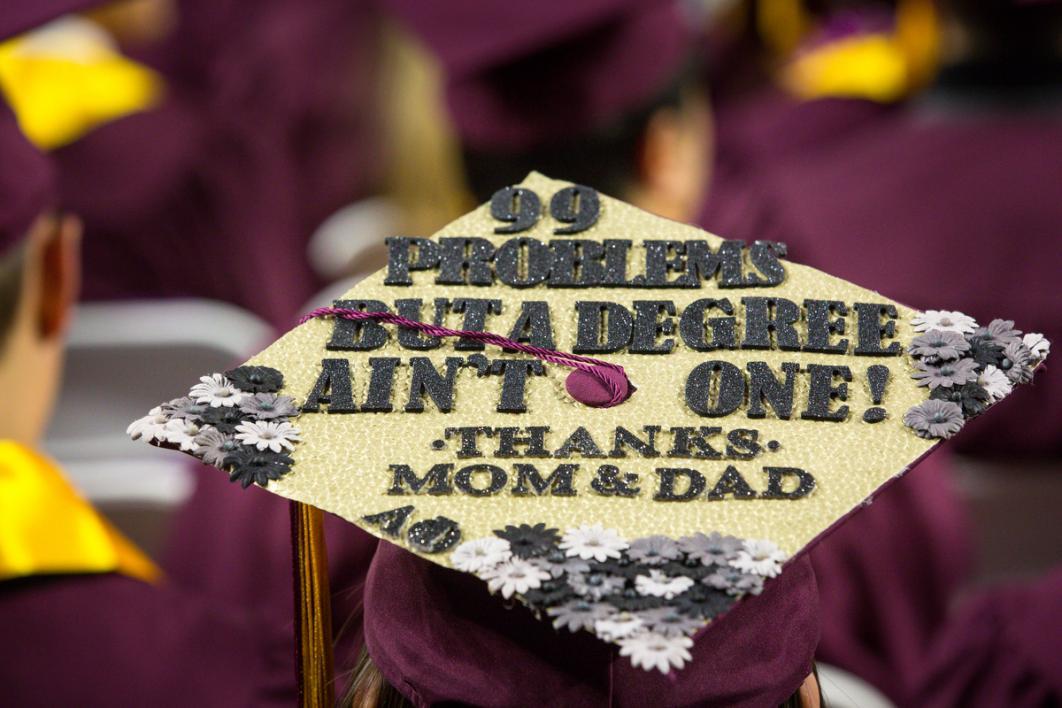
342, 465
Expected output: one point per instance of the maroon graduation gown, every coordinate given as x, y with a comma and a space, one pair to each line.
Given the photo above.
1003, 648
234, 545
887, 575
939, 210
110, 640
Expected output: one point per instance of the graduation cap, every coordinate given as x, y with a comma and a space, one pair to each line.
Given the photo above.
630, 426
603, 58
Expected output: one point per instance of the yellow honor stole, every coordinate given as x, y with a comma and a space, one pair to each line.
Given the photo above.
47, 528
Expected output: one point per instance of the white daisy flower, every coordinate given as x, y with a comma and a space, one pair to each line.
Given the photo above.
759, 558
480, 554
1038, 344
515, 575
216, 391
654, 651
149, 428
945, 321
659, 585
618, 626
268, 434
181, 432
995, 382
595, 542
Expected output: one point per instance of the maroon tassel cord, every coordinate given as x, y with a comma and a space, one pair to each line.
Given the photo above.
596, 383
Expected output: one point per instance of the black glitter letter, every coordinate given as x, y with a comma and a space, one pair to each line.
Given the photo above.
332, 389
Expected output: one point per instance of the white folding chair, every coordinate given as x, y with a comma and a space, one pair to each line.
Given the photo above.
122, 359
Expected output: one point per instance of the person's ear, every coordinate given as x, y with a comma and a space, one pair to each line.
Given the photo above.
60, 276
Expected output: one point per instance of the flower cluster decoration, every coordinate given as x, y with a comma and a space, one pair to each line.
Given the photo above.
237, 421
966, 368
648, 595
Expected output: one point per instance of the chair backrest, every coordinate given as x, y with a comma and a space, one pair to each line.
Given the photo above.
123, 358
841, 689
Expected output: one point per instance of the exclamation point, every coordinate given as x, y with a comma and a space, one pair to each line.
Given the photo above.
877, 377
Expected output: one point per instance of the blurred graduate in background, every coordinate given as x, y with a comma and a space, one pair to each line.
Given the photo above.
948, 184
88, 619
920, 192
201, 143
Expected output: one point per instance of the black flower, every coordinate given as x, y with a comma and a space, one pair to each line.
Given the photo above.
702, 601
630, 600
549, 595
259, 467
985, 351
527, 541
224, 419
694, 570
256, 379
970, 396
621, 567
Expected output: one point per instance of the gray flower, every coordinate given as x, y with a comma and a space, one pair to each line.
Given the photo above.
714, 548
734, 581
185, 408
266, 406
998, 332
946, 374
934, 419
653, 550
1003, 331
596, 585
556, 563
579, 614
1017, 363
935, 346
213, 447
669, 622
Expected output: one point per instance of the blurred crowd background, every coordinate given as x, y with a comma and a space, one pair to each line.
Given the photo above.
238, 163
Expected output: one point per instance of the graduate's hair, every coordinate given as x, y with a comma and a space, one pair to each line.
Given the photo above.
11, 269
606, 158
369, 689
